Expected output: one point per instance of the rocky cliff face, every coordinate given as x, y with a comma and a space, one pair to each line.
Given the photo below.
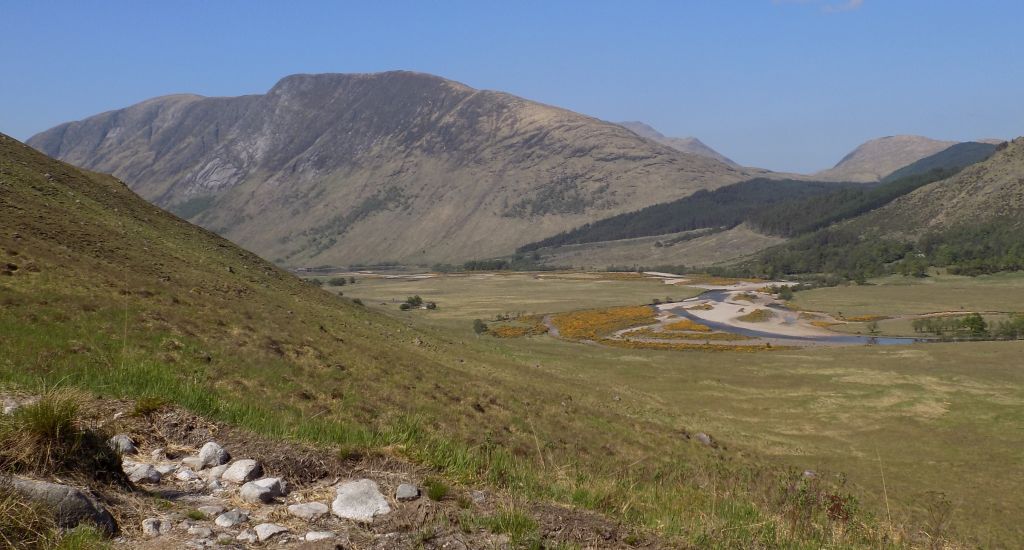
347, 168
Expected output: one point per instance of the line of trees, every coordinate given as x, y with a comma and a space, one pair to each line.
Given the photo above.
972, 326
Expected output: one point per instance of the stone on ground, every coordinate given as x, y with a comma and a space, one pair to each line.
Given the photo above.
211, 510
200, 531
123, 444
309, 511
255, 494
232, 518
144, 473
277, 486
314, 536
154, 527
243, 470
267, 531
359, 500
248, 536
212, 454
407, 491
71, 506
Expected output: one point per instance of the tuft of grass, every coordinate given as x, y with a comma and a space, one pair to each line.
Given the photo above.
45, 438
145, 406
196, 515
436, 489
520, 527
83, 537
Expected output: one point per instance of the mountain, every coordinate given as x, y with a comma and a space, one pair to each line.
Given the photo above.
956, 156
687, 144
989, 191
340, 169
875, 159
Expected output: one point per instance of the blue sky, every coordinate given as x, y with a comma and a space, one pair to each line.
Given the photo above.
782, 84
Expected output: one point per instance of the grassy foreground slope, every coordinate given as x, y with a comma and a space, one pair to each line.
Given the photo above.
101, 290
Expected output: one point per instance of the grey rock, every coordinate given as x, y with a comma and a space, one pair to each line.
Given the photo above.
232, 518
200, 531
277, 486
214, 473
243, 470
407, 491
212, 454
192, 462
211, 510
478, 497
158, 454
267, 531
123, 444
72, 506
151, 527
144, 473
359, 500
185, 474
216, 486
704, 439
810, 474
248, 536
314, 536
224, 539
309, 511
254, 494
166, 468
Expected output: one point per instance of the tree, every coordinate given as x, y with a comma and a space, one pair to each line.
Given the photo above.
337, 281
479, 326
975, 324
404, 306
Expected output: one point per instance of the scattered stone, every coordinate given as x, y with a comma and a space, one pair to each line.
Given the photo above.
314, 536
248, 536
154, 527
211, 510
214, 473
144, 473
186, 474
704, 439
810, 474
309, 511
255, 494
200, 531
192, 462
123, 444
215, 486
359, 500
407, 491
267, 531
224, 539
166, 468
71, 506
478, 497
277, 486
232, 518
158, 454
243, 470
212, 455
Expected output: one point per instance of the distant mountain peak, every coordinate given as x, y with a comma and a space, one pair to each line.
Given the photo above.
874, 159
690, 145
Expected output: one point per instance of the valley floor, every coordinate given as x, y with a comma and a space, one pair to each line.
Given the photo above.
942, 422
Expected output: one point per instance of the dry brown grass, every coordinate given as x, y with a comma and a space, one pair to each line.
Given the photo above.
23, 525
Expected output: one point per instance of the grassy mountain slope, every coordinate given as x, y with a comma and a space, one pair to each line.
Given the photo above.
686, 144
104, 291
877, 158
957, 156
345, 168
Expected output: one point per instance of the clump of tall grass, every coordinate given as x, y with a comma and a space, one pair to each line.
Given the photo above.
46, 437
23, 524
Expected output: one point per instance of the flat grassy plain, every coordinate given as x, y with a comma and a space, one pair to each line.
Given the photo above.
942, 423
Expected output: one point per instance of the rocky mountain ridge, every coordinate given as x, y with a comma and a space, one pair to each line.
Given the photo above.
348, 168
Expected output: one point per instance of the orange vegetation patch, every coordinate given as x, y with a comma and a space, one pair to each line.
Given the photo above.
592, 324
687, 324
702, 307
530, 325
745, 296
757, 316
865, 318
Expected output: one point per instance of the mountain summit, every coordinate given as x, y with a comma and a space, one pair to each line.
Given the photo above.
877, 158
353, 168
685, 144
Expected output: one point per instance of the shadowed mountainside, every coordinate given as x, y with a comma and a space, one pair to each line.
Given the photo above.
346, 168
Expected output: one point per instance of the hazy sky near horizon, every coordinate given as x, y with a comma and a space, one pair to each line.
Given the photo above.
781, 84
